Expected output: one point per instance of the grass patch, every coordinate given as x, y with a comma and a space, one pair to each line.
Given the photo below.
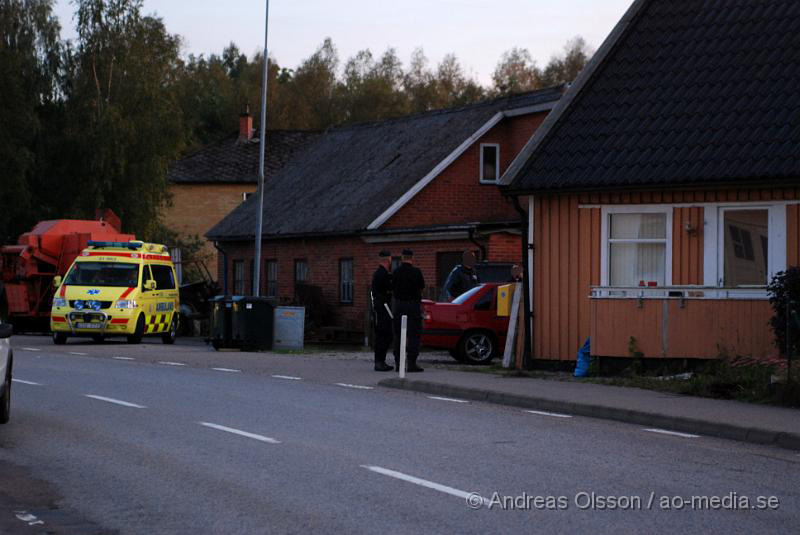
722, 379
737, 379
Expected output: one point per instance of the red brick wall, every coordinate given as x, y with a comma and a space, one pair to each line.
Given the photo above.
456, 195
323, 256
505, 247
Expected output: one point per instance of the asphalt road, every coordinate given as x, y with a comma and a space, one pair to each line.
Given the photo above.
99, 444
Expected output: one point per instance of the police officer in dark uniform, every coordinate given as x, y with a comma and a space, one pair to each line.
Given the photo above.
407, 286
463, 277
381, 301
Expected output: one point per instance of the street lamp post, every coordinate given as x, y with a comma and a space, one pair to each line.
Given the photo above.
261, 151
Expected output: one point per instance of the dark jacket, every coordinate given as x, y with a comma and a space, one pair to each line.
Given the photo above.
460, 280
407, 283
381, 287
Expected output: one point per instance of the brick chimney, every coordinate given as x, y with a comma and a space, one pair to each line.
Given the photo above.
245, 125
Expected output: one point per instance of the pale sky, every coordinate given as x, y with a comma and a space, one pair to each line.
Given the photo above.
477, 31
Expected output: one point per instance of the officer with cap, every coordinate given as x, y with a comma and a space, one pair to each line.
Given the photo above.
407, 286
381, 301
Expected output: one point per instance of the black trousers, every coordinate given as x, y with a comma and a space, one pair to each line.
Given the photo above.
383, 332
412, 309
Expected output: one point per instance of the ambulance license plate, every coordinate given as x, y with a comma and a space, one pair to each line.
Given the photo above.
89, 325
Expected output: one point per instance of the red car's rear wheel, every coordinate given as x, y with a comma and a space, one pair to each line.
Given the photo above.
477, 347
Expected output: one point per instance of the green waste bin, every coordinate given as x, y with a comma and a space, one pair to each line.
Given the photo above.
252, 322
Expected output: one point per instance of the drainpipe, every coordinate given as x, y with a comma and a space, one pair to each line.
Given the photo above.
224, 268
527, 256
478, 244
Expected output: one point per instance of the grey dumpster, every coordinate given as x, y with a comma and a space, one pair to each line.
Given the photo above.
289, 328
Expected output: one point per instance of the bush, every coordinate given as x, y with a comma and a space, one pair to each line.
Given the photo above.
784, 296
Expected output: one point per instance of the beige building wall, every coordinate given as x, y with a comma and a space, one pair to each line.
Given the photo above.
198, 207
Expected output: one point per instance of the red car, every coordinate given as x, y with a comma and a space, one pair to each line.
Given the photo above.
469, 326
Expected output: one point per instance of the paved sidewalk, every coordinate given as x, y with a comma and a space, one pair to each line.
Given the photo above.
760, 424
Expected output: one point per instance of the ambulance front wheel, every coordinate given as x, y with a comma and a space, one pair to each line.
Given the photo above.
169, 336
59, 338
136, 337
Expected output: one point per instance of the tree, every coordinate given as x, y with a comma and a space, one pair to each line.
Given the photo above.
419, 84
455, 88
125, 120
308, 99
372, 90
29, 63
565, 69
516, 72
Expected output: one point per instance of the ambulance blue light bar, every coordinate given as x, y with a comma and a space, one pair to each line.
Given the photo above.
123, 244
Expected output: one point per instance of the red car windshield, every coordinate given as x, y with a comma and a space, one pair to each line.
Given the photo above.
463, 298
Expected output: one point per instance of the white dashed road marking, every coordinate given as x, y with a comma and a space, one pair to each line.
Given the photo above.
123, 358
28, 518
116, 401
77, 353
289, 377
426, 483
454, 400
30, 349
673, 433
26, 382
239, 432
553, 414
229, 370
168, 363
359, 387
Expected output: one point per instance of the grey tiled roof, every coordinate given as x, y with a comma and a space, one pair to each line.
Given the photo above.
692, 91
232, 161
351, 175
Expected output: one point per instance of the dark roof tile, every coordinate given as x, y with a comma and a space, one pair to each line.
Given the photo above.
692, 91
232, 161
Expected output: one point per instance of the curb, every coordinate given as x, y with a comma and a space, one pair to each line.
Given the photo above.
752, 435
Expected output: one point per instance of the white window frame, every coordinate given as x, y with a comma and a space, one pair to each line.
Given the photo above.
608, 211
714, 242
713, 247
497, 163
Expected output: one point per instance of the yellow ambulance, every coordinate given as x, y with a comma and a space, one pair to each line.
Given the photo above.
117, 289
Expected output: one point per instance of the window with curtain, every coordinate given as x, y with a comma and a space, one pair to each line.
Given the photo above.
346, 280
300, 271
637, 249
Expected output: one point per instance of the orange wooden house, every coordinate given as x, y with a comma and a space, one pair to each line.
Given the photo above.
663, 191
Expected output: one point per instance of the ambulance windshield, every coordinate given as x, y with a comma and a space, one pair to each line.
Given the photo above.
103, 274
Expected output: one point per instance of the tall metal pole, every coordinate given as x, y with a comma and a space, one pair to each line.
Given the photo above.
262, 143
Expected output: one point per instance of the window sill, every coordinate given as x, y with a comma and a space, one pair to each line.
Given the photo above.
488, 182
678, 292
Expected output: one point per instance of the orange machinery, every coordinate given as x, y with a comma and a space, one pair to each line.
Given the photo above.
27, 269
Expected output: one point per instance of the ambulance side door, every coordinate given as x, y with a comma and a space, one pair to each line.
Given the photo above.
149, 297
168, 290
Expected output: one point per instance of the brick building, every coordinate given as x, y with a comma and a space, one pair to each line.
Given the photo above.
210, 182
426, 182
